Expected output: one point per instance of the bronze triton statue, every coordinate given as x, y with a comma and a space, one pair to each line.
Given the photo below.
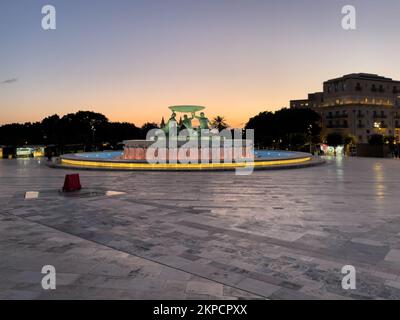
203, 120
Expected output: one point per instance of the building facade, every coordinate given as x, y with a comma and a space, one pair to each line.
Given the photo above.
358, 104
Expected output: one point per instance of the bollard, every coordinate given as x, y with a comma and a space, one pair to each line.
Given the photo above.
72, 183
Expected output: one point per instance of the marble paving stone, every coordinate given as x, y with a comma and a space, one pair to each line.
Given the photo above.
259, 287
197, 287
393, 256
202, 235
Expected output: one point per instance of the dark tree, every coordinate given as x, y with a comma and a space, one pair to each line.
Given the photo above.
334, 139
84, 128
286, 128
147, 127
349, 140
376, 140
220, 123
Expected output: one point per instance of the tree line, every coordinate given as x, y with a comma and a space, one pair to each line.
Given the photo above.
295, 129
286, 127
83, 127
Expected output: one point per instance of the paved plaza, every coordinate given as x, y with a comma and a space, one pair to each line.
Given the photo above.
281, 234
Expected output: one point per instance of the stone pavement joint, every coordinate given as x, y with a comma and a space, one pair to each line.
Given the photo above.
203, 235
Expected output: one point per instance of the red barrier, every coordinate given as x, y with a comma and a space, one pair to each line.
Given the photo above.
72, 183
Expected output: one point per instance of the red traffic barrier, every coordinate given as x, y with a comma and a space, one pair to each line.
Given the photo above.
72, 183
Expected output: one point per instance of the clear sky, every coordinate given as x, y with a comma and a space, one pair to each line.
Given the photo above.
130, 59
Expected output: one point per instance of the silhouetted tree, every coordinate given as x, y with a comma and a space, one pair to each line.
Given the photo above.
349, 140
83, 127
285, 128
376, 140
219, 122
21, 134
334, 140
51, 129
147, 127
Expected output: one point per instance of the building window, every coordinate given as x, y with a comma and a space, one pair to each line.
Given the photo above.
373, 88
358, 87
381, 88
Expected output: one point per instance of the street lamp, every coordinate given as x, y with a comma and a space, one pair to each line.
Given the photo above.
310, 134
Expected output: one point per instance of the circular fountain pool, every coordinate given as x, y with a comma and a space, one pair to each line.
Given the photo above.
112, 160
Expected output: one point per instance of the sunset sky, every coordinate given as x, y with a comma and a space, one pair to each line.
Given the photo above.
131, 59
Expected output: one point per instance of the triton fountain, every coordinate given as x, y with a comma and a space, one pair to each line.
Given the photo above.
183, 147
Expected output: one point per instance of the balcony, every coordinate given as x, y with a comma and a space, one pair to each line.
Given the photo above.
379, 116
337, 126
337, 116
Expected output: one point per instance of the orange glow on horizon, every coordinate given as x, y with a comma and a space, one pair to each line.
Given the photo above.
236, 108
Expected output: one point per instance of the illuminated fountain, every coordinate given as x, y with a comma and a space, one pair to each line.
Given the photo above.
186, 143
181, 147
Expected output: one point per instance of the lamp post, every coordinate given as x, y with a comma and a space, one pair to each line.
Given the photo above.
93, 135
310, 136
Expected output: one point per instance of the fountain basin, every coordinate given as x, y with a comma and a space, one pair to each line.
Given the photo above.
112, 160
